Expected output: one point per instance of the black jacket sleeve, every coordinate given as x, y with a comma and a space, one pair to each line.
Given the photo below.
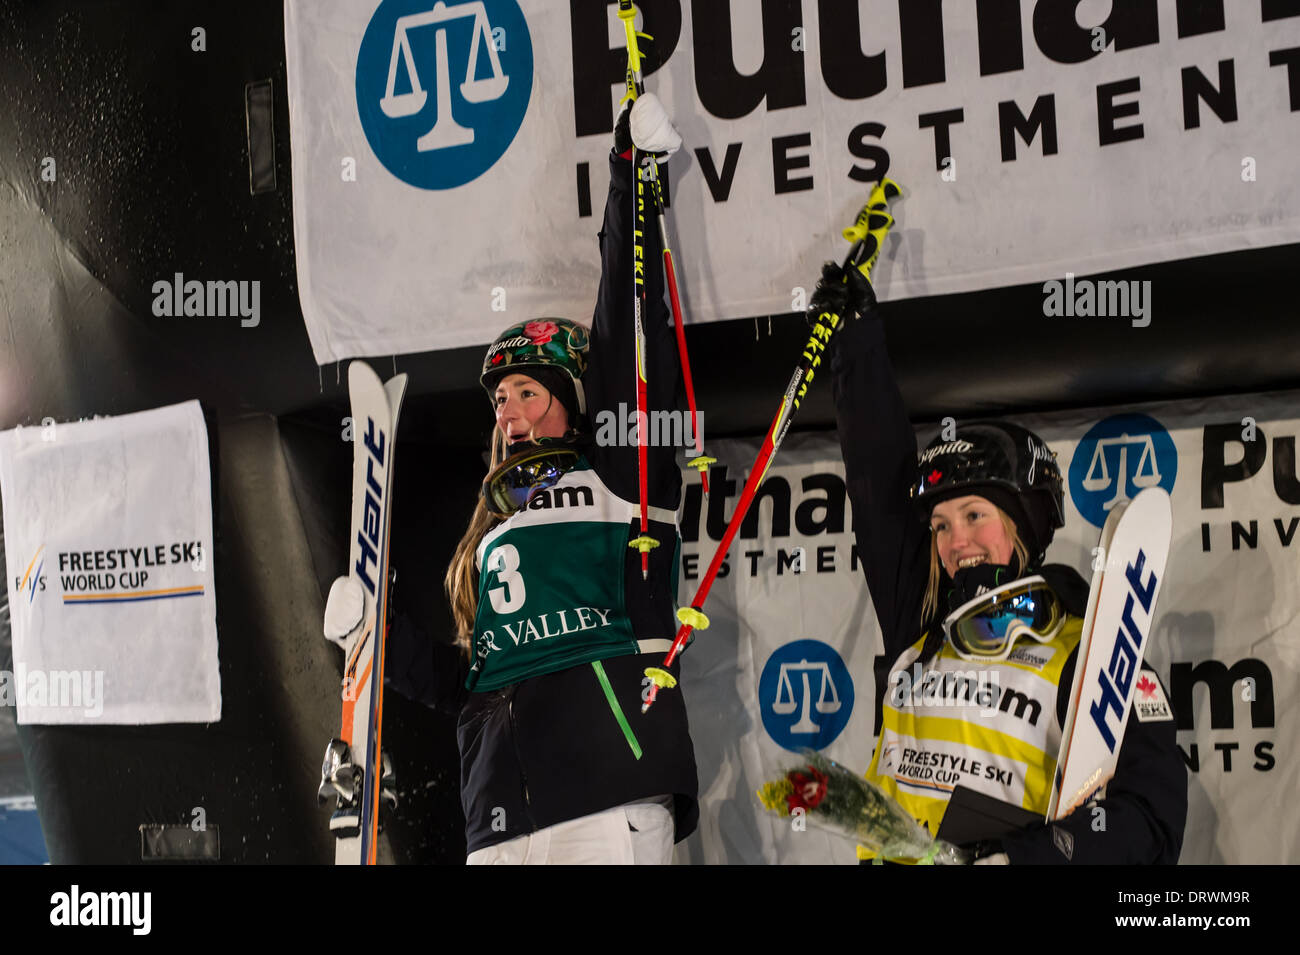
610, 380
423, 669
879, 449
1140, 821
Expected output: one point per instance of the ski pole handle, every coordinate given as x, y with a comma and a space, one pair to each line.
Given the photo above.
627, 13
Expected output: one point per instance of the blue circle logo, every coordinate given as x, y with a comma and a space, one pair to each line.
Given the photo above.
1116, 459
442, 88
805, 695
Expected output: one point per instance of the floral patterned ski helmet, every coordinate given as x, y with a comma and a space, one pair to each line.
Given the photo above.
542, 343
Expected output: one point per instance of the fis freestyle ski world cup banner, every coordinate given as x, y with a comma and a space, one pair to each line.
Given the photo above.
788, 660
108, 543
450, 158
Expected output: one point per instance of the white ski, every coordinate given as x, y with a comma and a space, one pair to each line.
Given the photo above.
354, 768
1121, 607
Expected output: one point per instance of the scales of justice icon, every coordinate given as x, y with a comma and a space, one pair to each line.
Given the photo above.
1142, 477
446, 132
785, 704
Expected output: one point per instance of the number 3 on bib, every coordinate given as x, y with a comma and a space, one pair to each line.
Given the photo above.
510, 596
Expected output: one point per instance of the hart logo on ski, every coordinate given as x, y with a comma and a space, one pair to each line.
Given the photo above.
1108, 667
368, 535
356, 769
1116, 460
442, 88
1124, 651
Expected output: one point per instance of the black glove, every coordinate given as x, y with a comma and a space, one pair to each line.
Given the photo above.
985, 849
623, 130
847, 299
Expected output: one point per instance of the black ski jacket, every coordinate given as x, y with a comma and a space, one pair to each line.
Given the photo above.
549, 749
1146, 802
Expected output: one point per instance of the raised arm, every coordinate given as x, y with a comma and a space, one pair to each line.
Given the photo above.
879, 449
610, 381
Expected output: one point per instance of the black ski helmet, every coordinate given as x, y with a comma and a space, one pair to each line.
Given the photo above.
1009, 465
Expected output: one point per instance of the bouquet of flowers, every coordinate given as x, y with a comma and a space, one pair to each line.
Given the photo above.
842, 802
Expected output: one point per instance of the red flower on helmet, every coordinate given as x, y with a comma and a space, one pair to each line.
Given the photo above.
809, 789
540, 332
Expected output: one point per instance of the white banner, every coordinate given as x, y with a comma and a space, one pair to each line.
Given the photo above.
449, 160
108, 537
788, 659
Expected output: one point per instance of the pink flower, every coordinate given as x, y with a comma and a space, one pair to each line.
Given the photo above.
541, 332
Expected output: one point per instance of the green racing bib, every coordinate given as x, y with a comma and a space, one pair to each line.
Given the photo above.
551, 579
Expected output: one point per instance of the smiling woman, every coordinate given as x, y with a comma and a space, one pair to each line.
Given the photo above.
953, 542
992, 500
968, 532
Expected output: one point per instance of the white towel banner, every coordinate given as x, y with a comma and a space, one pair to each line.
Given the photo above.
108, 543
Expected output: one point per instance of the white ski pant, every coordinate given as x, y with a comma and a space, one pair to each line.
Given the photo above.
638, 833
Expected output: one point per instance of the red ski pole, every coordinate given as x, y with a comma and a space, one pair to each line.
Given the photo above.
701, 461
867, 235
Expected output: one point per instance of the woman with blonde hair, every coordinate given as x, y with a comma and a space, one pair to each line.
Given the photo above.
554, 619
980, 635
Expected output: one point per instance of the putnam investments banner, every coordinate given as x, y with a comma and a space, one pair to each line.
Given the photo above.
787, 661
450, 159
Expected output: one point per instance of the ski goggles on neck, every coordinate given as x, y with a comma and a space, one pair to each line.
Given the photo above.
986, 628
515, 480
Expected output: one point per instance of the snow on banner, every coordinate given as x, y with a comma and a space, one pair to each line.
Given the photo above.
449, 159
788, 659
